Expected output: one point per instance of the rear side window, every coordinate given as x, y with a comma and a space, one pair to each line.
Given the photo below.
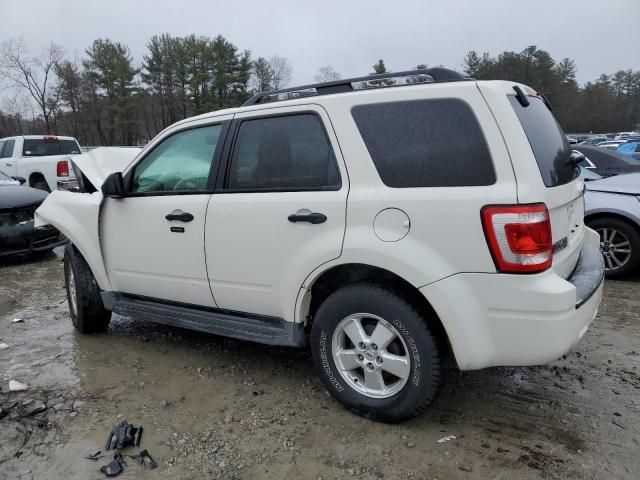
283, 153
547, 140
40, 147
425, 143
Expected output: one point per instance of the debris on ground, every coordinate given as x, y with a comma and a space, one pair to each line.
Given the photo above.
3, 346
16, 386
145, 459
95, 456
17, 320
447, 438
124, 434
115, 467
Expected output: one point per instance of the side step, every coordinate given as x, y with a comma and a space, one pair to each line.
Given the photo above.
243, 326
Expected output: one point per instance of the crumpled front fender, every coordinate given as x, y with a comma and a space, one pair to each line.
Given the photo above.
76, 215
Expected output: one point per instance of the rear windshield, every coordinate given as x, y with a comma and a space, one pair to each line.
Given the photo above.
39, 147
547, 140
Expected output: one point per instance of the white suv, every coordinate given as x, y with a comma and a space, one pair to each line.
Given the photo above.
390, 222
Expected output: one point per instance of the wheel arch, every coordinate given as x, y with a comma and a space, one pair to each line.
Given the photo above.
334, 277
35, 177
618, 214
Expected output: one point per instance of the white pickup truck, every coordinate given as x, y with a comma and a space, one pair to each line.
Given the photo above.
42, 160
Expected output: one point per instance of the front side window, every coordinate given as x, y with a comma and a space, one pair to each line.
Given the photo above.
283, 153
425, 143
8, 149
180, 163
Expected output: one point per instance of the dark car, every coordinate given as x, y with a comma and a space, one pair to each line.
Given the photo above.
606, 162
17, 233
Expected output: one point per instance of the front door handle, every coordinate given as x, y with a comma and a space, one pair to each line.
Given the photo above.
314, 218
180, 216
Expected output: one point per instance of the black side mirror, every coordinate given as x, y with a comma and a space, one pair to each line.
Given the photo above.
22, 180
113, 186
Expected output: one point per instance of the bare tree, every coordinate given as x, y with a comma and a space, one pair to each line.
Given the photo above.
32, 74
327, 74
281, 72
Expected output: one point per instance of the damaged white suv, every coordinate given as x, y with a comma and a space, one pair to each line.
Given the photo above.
390, 222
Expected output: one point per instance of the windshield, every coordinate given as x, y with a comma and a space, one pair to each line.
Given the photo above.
589, 175
40, 147
6, 179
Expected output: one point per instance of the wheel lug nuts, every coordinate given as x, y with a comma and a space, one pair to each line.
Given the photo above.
362, 345
370, 366
360, 357
379, 359
374, 346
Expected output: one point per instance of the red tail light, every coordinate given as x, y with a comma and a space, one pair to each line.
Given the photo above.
519, 237
50, 139
63, 168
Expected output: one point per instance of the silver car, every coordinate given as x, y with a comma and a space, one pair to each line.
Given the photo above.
612, 208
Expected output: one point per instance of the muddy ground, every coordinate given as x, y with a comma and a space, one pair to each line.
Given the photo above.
219, 408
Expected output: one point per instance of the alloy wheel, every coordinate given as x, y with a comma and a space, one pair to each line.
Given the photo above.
615, 248
371, 355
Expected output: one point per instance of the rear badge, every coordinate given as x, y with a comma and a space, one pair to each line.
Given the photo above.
560, 244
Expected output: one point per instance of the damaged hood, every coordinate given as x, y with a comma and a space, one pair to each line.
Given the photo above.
17, 196
626, 184
99, 163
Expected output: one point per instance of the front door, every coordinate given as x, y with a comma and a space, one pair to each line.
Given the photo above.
153, 239
280, 211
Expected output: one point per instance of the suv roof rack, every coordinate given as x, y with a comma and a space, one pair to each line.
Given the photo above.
409, 77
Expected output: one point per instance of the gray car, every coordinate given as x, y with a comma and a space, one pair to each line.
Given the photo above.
612, 208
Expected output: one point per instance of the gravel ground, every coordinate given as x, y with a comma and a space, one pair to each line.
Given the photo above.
219, 408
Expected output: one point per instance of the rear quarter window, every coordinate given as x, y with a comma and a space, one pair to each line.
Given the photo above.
425, 143
548, 142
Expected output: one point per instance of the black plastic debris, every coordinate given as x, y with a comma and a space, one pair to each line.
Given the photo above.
115, 467
145, 459
123, 435
95, 456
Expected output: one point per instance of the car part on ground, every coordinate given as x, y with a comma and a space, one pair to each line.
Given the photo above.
124, 434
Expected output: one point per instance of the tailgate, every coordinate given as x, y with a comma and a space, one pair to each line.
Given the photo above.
541, 160
566, 210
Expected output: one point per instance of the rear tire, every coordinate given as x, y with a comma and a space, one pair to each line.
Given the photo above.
391, 380
619, 244
41, 185
83, 294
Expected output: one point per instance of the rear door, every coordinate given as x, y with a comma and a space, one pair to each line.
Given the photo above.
540, 155
279, 211
8, 164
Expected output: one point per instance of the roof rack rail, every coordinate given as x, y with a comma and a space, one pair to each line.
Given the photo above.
409, 77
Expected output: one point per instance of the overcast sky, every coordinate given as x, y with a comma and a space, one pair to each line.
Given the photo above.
600, 35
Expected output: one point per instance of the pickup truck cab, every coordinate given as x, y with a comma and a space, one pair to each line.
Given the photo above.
43, 160
390, 222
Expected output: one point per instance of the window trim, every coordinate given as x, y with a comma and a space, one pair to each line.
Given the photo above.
213, 168
230, 145
426, 99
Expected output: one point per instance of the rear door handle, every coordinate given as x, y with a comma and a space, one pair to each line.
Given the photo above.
180, 216
314, 218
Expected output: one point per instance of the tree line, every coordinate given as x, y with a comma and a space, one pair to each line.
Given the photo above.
106, 98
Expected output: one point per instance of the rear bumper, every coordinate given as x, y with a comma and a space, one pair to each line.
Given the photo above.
21, 239
508, 320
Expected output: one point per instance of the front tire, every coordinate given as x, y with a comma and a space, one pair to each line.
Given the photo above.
375, 353
83, 294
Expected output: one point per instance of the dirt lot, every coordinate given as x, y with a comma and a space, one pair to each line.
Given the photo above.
219, 408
